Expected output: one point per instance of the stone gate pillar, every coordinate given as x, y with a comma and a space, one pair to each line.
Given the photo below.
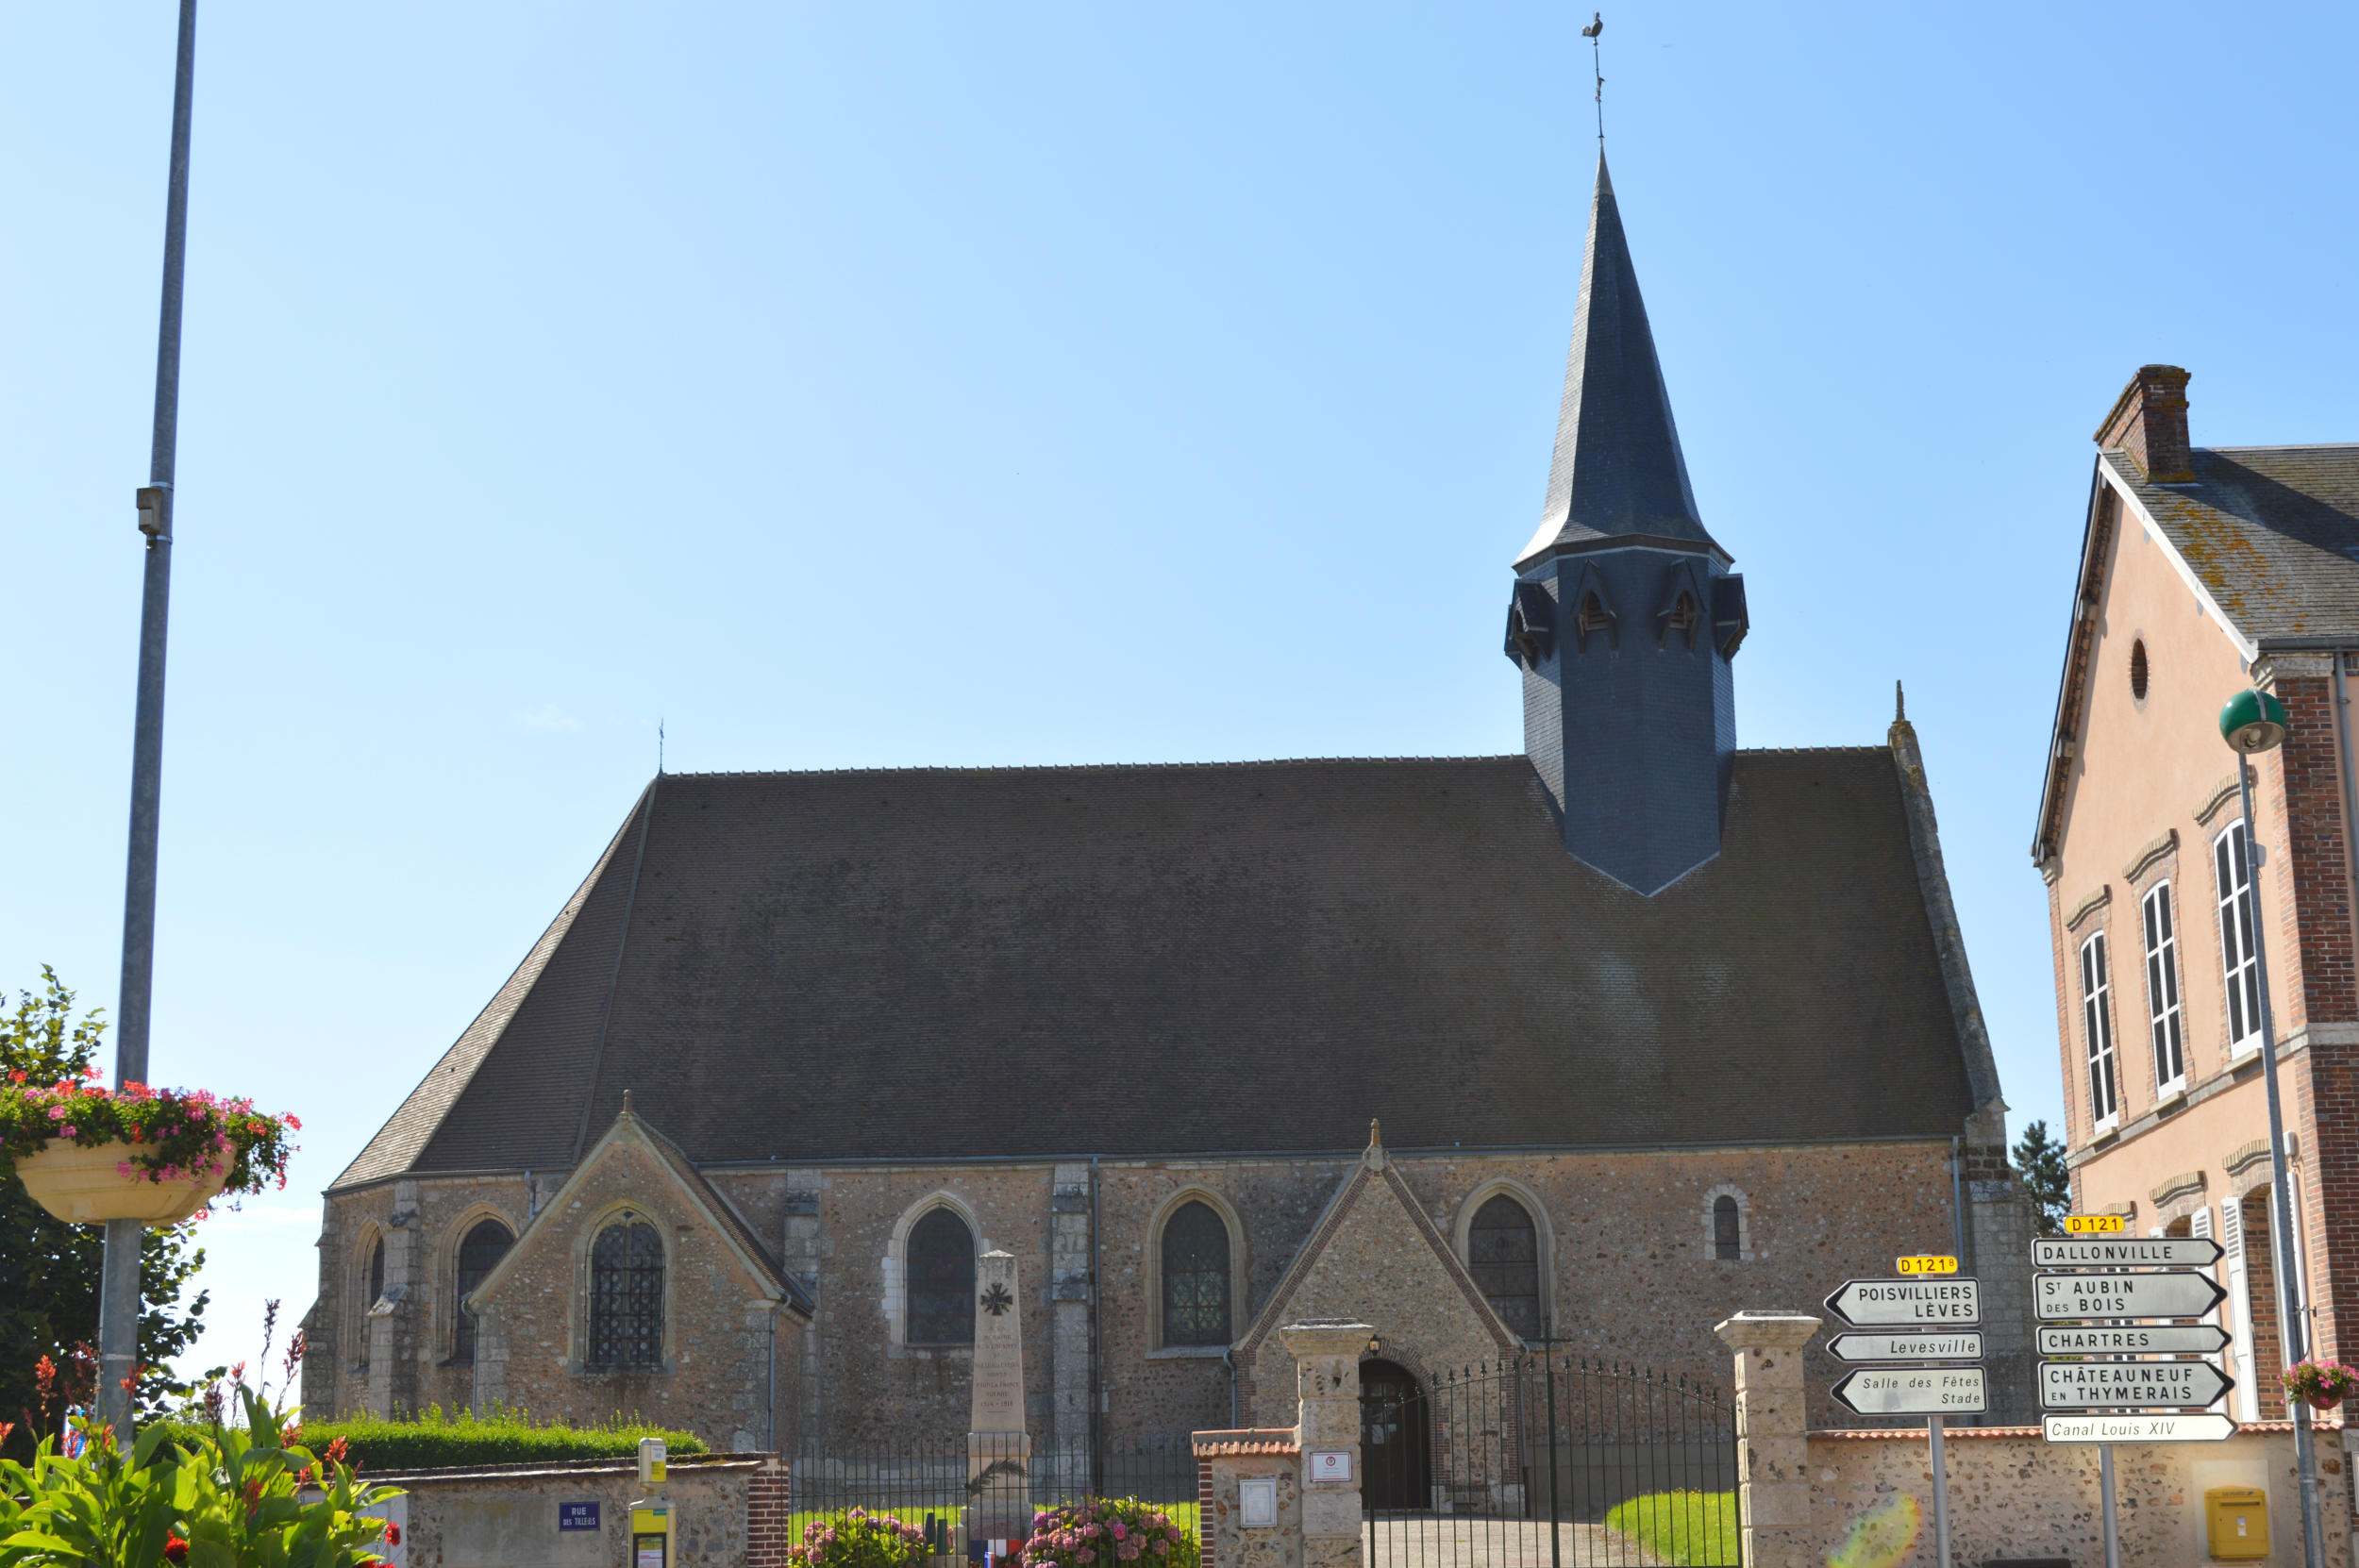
1327, 1378
1772, 1435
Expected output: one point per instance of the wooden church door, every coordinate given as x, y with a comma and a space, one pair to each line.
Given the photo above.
1395, 1439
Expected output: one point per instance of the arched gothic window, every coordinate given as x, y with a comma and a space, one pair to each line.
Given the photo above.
940, 1280
1503, 1253
1728, 1236
376, 1274
1195, 1277
627, 1297
480, 1252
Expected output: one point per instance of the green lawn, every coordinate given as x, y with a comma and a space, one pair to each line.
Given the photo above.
1695, 1529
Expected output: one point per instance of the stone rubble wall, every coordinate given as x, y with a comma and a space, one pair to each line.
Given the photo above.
729, 1513
2013, 1494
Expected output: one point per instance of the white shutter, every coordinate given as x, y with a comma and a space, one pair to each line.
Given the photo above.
2200, 1226
2245, 1395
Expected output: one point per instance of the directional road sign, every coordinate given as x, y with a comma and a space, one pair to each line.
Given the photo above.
2124, 1252
1965, 1346
1912, 1390
2173, 1294
2196, 1338
2207, 1428
1954, 1303
2104, 1385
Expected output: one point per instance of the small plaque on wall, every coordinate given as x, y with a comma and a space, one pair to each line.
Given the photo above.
1257, 1502
1329, 1464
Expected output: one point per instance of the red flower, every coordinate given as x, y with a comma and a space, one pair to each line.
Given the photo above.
176, 1549
392, 1533
337, 1450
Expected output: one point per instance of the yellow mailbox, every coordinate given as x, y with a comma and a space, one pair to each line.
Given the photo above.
2236, 1522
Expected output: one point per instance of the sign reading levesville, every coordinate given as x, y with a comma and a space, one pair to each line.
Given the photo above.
1908, 1303
2125, 1252
1961, 1347
1912, 1390
2172, 1294
2100, 1385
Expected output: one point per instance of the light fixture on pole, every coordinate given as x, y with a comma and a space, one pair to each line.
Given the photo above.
2252, 722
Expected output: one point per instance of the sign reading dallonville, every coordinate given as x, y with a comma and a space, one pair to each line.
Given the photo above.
2125, 1252
1925, 1303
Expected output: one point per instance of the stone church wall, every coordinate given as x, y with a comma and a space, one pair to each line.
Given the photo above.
1625, 1242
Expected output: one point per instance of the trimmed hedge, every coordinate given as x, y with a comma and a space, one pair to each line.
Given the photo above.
438, 1439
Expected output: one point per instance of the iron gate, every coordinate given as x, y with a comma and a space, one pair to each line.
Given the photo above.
1546, 1461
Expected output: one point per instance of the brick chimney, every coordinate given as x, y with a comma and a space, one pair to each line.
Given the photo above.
2150, 422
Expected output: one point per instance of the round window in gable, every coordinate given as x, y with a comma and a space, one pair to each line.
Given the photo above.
2137, 668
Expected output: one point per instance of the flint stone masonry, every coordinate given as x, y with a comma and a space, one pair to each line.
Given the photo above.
731, 1511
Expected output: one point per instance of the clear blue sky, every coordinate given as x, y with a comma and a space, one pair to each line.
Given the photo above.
878, 385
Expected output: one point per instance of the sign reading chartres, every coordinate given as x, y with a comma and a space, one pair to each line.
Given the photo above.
2126, 1252
1908, 1303
1912, 1390
1961, 1347
2100, 1385
2175, 1294
2176, 1338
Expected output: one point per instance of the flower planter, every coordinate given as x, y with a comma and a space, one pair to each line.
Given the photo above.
81, 1185
2325, 1401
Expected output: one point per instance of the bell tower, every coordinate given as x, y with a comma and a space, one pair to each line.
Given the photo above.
1625, 617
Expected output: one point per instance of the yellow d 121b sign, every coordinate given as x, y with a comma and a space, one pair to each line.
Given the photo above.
2094, 1225
1933, 1263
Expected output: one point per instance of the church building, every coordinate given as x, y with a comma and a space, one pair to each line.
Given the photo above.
1592, 1043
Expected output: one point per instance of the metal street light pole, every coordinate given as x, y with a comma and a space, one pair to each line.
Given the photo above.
2254, 722
119, 1278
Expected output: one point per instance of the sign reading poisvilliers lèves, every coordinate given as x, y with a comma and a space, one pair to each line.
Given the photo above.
999, 1449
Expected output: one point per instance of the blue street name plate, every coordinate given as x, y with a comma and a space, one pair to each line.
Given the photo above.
576, 1516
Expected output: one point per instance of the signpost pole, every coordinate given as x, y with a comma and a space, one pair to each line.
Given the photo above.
2291, 1305
2105, 1484
1941, 1494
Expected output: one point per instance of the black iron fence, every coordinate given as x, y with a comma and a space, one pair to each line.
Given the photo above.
1546, 1461
993, 1485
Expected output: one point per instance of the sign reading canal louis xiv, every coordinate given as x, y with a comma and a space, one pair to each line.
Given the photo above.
1913, 1390
1933, 1303
2175, 1294
2203, 1427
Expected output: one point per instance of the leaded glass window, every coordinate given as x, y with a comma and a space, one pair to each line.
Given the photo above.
1503, 1253
1195, 1277
480, 1252
940, 1280
1728, 1231
376, 1274
627, 1297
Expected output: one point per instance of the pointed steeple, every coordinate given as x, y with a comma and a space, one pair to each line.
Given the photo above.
1618, 473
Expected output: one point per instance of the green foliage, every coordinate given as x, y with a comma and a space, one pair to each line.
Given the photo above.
1103, 1532
1691, 1530
2040, 1161
226, 1497
440, 1440
50, 1303
859, 1538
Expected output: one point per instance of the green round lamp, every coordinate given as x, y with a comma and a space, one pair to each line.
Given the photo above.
2252, 721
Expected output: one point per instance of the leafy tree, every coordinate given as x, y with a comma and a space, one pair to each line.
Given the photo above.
50, 1301
2040, 1161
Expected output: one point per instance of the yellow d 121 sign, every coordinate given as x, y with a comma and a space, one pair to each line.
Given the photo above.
1933, 1263
2094, 1225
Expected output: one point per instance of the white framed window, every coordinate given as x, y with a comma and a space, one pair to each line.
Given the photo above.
2162, 989
2239, 966
2097, 1020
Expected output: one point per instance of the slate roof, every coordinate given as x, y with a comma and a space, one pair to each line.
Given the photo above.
1617, 472
1228, 957
2271, 531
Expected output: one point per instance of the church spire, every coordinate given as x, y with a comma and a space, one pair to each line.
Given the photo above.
1618, 473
